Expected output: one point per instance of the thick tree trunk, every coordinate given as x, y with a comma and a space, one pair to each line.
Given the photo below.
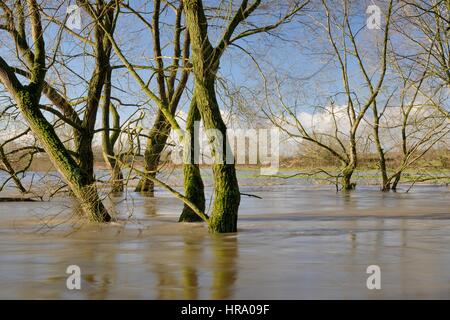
224, 213
144, 184
100, 76
346, 180
79, 182
194, 191
193, 184
155, 145
227, 198
205, 61
86, 156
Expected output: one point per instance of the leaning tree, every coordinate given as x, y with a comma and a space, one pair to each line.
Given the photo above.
77, 169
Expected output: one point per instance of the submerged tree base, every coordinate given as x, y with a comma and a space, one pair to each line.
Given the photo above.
194, 191
226, 199
145, 186
91, 204
346, 181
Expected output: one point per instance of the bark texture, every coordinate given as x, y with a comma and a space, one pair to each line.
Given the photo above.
194, 189
205, 61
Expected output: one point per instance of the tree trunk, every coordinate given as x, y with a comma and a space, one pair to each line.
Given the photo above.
346, 183
155, 145
86, 155
193, 184
205, 61
226, 189
385, 180
396, 181
350, 166
108, 142
386, 186
109, 138
79, 182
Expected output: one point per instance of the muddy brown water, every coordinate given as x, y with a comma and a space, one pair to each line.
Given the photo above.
298, 242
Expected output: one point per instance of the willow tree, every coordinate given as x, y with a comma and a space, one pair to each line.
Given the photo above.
170, 84
194, 189
420, 126
356, 116
103, 14
206, 60
421, 59
28, 95
97, 82
341, 139
106, 22
425, 28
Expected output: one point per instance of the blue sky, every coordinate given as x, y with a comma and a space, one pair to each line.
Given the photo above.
296, 52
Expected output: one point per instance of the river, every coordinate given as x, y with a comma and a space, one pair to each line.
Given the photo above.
297, 242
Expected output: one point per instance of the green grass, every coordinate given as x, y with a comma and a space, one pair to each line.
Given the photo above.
431, 175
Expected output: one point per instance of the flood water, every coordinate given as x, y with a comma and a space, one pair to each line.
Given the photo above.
298, 242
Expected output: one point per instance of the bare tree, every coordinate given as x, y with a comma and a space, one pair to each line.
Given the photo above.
27, 98
342, 145
425, 27
206, 61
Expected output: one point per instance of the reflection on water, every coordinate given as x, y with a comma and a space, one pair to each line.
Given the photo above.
296, 242
224, 269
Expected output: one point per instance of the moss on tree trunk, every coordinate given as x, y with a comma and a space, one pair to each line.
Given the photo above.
194, 191
205, 61
226, 199
346, 181
224, 213
27, 99
77, 179
86, 156
193, 184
